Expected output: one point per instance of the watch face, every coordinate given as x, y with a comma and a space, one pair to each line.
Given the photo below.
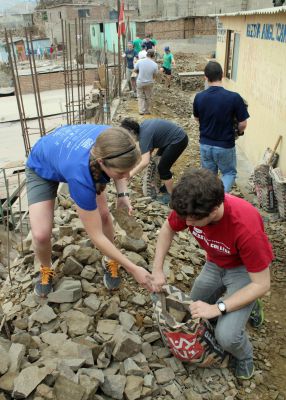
221, 306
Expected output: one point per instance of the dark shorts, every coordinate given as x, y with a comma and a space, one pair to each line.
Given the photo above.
39, 189
169, 155
167, 71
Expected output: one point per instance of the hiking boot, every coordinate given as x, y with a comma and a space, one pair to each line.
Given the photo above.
44, 285
111, 279
244, 368
256, 318
164, 198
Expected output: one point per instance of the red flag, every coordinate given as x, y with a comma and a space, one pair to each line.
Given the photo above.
121, 23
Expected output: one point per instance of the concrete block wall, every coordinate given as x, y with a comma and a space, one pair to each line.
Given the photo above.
51, 81
256, 4
205, 26
150, 9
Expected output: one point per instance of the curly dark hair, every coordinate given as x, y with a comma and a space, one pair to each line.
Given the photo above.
132, 126
197, 194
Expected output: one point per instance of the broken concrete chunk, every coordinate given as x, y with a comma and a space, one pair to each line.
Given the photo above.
68, 291
113, 386
28, 379
44, 315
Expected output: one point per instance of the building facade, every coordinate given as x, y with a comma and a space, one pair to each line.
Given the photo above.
251, 47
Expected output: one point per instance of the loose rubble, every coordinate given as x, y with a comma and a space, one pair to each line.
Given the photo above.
85, 343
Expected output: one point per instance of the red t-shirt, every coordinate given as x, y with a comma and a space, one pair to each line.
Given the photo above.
237, 239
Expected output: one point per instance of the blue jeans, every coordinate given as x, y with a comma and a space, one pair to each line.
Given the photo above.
219, 159
209, 286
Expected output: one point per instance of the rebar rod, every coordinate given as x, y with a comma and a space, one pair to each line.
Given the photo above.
65, 73
38, 94
33, 83
18, 91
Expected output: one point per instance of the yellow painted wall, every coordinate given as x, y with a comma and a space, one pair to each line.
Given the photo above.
261, 80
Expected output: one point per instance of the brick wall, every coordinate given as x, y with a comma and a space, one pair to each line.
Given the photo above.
51, 81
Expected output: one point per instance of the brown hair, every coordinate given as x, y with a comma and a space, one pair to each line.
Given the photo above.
197, 194
117, 148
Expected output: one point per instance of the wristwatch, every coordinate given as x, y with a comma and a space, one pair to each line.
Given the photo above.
123, 194
221, 307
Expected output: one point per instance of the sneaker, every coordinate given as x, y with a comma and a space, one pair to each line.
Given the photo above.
163, 189
44, 285
244, 368
232, 363
164, 198
111, 279
256, 318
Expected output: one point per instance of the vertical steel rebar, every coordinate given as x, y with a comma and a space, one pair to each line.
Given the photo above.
77, 56
7, 225
83, 70
38, 95
71, 75
20, 211
18, 91
65, 74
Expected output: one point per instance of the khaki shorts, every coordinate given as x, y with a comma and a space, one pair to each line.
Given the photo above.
39, 189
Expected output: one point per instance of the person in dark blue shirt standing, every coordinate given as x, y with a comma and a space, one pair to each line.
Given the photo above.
215, 109
130, 54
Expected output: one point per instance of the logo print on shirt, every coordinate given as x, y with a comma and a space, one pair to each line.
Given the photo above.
219, 246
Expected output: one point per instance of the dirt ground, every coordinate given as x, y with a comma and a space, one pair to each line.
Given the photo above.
270, 341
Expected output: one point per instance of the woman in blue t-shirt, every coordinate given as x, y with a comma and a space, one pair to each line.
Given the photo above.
85, 157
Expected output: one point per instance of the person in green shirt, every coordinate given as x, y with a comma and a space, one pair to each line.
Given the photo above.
168, 62
137, 43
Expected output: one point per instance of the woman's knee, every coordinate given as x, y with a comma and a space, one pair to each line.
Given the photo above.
41, 237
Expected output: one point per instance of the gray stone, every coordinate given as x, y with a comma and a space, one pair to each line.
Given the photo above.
131, 368
21, 323
66, 389
151, 337
93, 373
88, 287
135, 245
44, 391
112, 311
88, 272
126, 320
147, 350
92, 301
149, 380
68, 291
16, 355
127, 344
77, 322
136, 259
173, 390
65, 230
83, 254
106, 326
188, 270
4, 361
72, 267
190, 394
89, 385
3, 272
44, 315
73, 363
113, 386
29, 301
164, 375
133, 387
76, 351
7, 381
33, 355
54, 339
70, 250
139, 299
28, 379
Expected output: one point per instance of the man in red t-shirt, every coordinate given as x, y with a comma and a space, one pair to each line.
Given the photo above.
236, 272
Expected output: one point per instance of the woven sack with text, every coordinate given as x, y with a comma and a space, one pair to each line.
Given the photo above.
190, 340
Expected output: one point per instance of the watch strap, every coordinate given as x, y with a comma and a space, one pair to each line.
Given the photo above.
123, 194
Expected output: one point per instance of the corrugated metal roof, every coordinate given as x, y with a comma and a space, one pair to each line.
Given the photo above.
272, 10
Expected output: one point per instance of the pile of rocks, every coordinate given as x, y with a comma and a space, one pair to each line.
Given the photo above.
84, 342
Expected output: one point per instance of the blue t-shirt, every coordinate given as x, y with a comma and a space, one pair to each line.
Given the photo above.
158, 134
216, 108
130, 54
63, 156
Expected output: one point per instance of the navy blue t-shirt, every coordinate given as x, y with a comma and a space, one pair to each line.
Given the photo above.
130, 54
216, 108
63, 156
159, 133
